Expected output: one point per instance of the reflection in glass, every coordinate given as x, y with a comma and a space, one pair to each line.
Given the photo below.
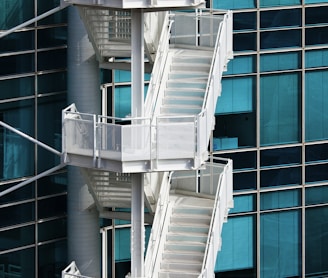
280, 105
316, 101
280, 199
281, 177
280, 39
280, 244
280, 18
316, 238
19, 264
239, 245
283, 156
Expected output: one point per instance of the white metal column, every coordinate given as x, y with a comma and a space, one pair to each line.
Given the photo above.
137, 110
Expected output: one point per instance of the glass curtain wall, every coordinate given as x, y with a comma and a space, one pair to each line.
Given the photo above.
272, 108
32, 95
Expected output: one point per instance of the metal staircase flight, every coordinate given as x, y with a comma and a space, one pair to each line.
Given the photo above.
188, 209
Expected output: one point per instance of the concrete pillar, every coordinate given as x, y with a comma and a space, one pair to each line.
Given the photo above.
83, 90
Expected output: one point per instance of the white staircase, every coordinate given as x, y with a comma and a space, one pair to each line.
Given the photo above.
186, 241
190, 207
180, 103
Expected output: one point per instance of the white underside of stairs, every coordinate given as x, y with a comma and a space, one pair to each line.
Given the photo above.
186, 238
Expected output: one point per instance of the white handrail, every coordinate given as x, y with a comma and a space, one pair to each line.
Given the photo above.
158, 68
221, 203
158, 226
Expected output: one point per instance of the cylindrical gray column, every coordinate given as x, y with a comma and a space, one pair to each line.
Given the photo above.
83, 90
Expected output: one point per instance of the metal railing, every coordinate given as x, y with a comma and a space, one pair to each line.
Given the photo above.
223, 202
159, 227
71, 271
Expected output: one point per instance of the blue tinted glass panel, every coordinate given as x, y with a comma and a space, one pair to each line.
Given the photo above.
17, 42
281, 177
58, 17
284, 156
315, 1
244, 41
53, 184
316, 238
23, 193
52, 82
49, 108
316, 195
242, 160
279, 115
316, 15
236, 96
241, 64
49, 230
234, 4
16, 151
316, 58
122, 75
18, 214
280, 18
17, 64
22, 262
243, 181
316, 153
316, 173
55, 206
122, 101
280, 244
314, 36
122, 244
280, 39
234, 130
18, 87
238, 249
54, 59
273, 3
280, 199
18, 237
52, 37
15, 12
244, 21
52, 259
280, 61
316, 101
243, 203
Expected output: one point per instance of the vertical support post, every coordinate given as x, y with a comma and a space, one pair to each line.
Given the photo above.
137, 110
137, 229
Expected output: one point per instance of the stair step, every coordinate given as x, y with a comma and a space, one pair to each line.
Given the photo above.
183, 267
184, 246
179, 111
197, 228
196, 257
192, 210
186, 85
191, 59
187, 219
182, 237
188, 68
194, 92
171, 100
178, 274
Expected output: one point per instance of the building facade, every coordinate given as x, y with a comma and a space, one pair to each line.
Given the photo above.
270, 119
